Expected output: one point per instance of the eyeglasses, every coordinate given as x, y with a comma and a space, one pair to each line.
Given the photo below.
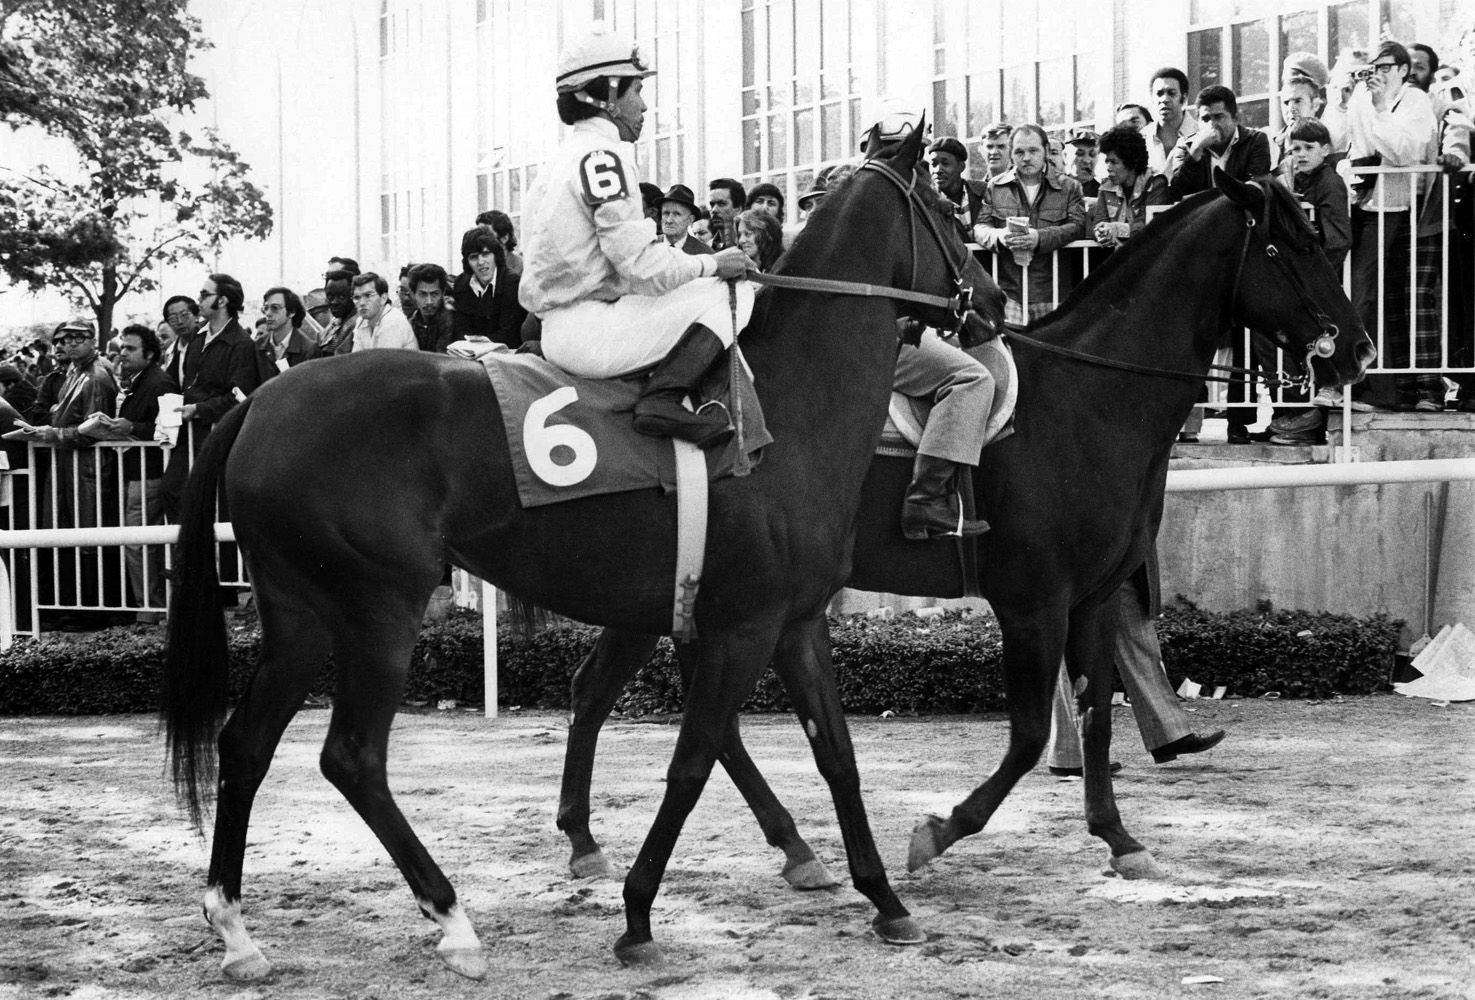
207, 295
272, 307
73, 338
1384, 67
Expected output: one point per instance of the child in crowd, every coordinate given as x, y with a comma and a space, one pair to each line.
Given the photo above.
1318, 184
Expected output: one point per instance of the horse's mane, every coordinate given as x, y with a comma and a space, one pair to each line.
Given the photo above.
1283, 209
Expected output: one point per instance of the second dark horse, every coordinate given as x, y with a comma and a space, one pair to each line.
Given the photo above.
1074, 498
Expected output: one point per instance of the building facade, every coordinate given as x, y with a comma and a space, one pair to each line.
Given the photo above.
443, 108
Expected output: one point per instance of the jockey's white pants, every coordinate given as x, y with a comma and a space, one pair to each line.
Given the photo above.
606, 339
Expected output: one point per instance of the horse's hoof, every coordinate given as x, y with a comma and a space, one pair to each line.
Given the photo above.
927, 842
468, 962
592, 865
1137, 864
900, 930
644, 954
252, 965
809, 875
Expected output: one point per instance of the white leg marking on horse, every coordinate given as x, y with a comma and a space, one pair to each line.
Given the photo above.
459, 946
811, 729
243, 960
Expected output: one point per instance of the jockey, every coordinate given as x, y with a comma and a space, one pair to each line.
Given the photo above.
962, 391
612, 298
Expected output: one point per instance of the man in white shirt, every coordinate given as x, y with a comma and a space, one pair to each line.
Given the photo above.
380, 323
1176, 119
1391, 123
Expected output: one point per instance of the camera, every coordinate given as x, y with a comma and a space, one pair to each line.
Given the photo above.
1362, 75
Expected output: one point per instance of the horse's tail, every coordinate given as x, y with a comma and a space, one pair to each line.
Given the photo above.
196, 680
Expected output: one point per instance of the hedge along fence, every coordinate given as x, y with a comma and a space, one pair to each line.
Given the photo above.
948, 663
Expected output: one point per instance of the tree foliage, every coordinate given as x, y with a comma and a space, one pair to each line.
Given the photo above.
112, 78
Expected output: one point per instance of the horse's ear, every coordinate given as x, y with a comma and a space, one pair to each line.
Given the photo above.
1247, 196
873, 141
910, 151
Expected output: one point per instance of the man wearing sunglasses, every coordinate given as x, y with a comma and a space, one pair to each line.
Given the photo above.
74, 482
1392, 123
217, 370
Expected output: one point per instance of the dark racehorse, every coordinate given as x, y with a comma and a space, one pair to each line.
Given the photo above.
1074, 498
352, 482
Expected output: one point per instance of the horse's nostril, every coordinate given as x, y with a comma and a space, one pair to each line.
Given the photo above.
1366, 354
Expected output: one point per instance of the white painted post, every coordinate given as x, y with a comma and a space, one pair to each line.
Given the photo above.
489, 646
7, 610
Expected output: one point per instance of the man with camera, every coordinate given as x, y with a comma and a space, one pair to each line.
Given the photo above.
1391, 124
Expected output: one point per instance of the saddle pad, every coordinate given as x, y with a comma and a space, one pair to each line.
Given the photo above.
572, 437
906, 416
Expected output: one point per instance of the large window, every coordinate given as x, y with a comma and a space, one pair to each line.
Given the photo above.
803, 66
502, 72
1243, 43
1016, 61
403, 196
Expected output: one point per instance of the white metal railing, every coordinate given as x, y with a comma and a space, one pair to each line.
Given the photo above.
63, 488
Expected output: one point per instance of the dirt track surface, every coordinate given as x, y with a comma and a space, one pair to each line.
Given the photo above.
1323, 850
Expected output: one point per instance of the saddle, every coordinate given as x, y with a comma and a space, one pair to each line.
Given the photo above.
571, 437
906, 416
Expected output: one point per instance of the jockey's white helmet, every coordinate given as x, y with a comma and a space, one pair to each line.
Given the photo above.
598, 52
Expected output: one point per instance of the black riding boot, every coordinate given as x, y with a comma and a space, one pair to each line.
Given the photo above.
659, 413
932, 508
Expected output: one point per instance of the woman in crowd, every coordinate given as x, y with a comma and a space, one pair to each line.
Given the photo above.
761, 236
1130, 187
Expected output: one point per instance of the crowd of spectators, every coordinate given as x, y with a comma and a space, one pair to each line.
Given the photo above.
1035, 192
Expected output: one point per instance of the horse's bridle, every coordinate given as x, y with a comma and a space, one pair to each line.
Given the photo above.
958, 306
1324, 345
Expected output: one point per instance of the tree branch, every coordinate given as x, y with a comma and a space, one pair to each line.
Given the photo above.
91, 299
143, 263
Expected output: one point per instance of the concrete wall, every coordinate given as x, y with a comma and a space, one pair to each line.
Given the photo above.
1353, 549
1356, 550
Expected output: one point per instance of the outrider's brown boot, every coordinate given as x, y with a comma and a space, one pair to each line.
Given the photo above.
932, 508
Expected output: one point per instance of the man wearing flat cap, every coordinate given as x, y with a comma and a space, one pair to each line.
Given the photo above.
1081, 144
678, 211
948, 159
612, 298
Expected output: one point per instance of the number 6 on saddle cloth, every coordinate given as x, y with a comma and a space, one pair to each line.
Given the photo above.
571, 437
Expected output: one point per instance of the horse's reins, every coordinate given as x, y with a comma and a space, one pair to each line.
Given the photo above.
957, 306
1322, 346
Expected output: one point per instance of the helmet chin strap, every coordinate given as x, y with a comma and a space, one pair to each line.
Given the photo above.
608, 107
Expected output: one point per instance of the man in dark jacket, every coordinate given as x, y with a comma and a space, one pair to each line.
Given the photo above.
678, 211
1242, 153
77, 486
142, 467
282, 344
219, 370
486, 291
948, 159
433, 324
